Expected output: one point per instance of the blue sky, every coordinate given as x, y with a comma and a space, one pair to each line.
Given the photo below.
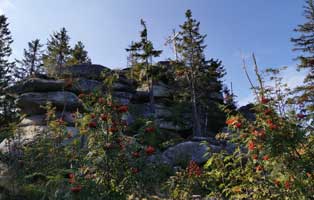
107, 27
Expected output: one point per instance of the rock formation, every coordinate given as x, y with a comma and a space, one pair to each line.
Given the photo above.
34, 93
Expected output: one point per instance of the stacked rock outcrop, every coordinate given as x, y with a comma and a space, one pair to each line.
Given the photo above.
33, 94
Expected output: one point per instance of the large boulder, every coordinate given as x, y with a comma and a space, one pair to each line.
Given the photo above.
31, 103
88, 71
162, 111
122, 97
86, 86
36, 85
119, 86
42, 119
248, 112
78, 85
183, 152
27, 134
171, 126
160, 89
140, 97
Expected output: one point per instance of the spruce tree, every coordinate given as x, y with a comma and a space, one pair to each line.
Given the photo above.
190, 46
79, 55
58, 51
144, 51
6, 68
32, 62
305, 44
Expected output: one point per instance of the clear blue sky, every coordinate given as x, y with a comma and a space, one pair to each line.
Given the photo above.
107, 27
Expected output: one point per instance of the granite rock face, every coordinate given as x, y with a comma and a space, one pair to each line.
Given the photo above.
36, 85
42, 119
183, 152
27, 134
32, 103
32, 94
80, 85
87, 71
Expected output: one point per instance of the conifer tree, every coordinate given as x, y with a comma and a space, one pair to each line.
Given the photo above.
190, 46
143, 51
6, 70
32, 62
79, 55
305, 44
58, 51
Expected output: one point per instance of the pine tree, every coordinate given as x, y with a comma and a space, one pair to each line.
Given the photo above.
209, 89
79, 55
305, 44
32, 62
190, 46
143, 51
58, 52
6, 69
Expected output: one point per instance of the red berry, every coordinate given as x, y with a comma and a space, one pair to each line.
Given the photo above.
135, 170
251, 145
265, 157
113, 129
123, 109
259, 168
76, 189
136, 154
150, 129
104, 117
150, 150
92, 124
93, 116
264, 100
101, 100
267, 112
238, 125
287, 185
300, 116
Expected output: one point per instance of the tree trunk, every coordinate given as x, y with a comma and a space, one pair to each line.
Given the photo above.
151, 95
196, 120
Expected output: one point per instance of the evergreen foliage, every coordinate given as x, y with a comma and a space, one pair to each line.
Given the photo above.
198, 71
32, 63
144, 51
304, 44
79, 55
58, 51
7, 113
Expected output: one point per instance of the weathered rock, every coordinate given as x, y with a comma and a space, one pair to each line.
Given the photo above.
36, 85
86, 86
41, 119
27, 134
49, 85
31, 103
248, 112
169, 125
118, 86
88, 71
123, 97
139, 110
186, 151
140, 97
161, 90
162, 111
